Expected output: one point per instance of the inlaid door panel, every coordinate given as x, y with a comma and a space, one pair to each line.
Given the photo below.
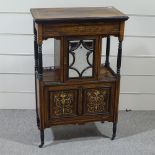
98, 100
62, 103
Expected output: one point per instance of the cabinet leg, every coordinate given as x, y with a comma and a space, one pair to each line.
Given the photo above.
102, 121
41, 138
38, 121
114, 131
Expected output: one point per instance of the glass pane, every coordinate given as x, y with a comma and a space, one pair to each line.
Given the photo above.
81, 58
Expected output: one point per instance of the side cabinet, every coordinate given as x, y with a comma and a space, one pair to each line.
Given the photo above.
79, 87
70, 104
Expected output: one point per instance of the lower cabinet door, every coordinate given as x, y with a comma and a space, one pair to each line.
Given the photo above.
78, 103
98, 99
62, 103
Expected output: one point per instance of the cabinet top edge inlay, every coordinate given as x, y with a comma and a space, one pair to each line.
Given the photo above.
77, 14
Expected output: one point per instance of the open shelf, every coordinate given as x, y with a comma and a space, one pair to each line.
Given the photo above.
53, 75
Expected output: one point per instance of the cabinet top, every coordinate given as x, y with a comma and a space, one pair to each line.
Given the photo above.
83, 14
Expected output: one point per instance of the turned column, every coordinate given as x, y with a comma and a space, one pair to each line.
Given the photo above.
35, 71
40, 63
119, 57
107, 52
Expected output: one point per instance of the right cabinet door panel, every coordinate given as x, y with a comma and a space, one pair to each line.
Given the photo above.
98, 99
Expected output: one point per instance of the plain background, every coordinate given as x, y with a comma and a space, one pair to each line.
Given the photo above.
17, 61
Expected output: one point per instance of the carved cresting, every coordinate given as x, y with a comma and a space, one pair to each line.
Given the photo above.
63, 103
97, 100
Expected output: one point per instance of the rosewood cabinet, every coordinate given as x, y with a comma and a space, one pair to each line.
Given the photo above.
79, 88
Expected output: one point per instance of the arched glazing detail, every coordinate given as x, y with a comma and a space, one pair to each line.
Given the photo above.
80, 63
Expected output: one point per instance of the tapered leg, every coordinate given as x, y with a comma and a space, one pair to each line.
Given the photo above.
38, 121
37, 115
114, 131
41, 138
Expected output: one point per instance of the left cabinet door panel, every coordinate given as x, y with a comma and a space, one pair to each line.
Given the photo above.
61, 103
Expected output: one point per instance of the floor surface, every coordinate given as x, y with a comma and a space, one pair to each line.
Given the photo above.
135, 135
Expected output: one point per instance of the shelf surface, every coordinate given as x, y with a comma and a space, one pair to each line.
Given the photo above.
77, 14
53, 76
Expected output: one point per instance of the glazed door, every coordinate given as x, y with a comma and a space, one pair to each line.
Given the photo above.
80, 58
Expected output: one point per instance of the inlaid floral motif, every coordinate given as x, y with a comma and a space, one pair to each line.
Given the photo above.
96, 100
63, 103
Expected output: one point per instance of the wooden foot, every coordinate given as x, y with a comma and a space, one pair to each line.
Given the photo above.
114, 131
41, 138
